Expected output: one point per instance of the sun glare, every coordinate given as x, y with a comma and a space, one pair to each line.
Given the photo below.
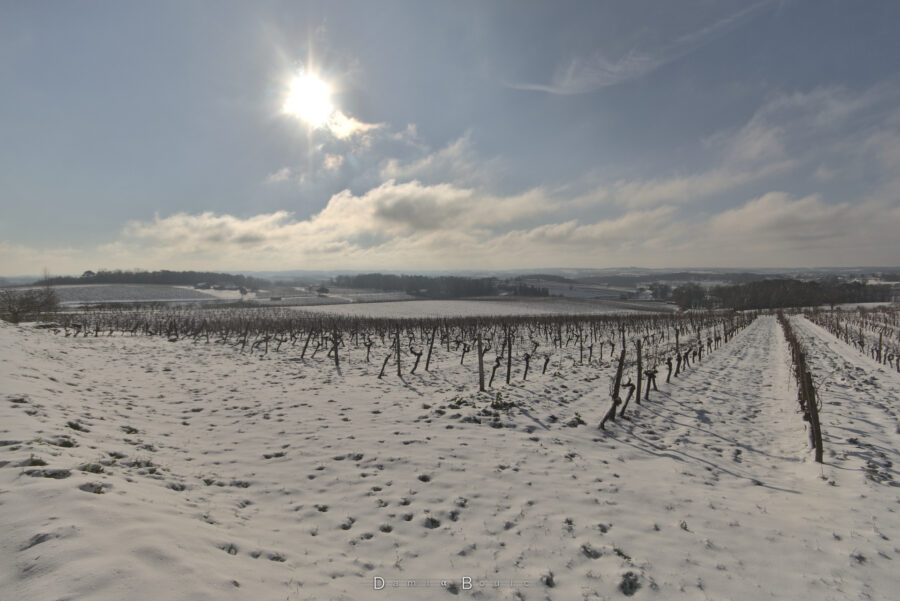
309, 98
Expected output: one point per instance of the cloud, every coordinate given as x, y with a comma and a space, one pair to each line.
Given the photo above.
332, 161
751, 156
679, 189
778, 228
824, 173
586, 74
282, 175
414, 226
384, 220
757, 142
410, 207
410, 136
883, 146
343, 127
410, 225
20, 259
441, 209
205, 232
822, 120
457, 162
777, 218
616, 234
830, 126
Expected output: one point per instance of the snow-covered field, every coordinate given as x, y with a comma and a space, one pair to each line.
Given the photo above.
127, 293
133, 293
467, 308
135, 468
87, 294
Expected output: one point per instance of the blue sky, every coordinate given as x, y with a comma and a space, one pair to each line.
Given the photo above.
459, 135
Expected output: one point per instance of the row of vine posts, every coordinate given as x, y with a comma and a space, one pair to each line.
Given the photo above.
693, 351
644, 342
806, 391
860, 328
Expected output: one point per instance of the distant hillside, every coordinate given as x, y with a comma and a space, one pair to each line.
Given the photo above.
673, 276
776, 293
164, 277
437, 287
546, 277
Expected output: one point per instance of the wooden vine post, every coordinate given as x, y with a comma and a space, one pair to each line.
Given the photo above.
399, 373
812, 405
430, 346
640, 371
509, 335
480, 364
616, 401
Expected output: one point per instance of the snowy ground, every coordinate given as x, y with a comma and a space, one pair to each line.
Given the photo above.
129, 293
498, 306
134, 468
86, 294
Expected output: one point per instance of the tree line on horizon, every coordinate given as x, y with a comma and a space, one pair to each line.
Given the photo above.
437, 286
777, 293
163, 277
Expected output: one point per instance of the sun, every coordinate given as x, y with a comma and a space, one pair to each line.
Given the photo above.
309, 98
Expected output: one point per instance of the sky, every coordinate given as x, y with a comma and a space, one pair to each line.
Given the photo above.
448, 135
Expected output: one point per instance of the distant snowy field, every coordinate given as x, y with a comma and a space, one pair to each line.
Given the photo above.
351, 302
499, 307
136, 293
130, 293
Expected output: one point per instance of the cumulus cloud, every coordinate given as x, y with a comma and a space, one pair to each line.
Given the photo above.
205, 231
400, 221
413, 226
417, 226
410, 207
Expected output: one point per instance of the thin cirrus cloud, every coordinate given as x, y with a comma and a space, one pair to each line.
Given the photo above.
458, 162
789, 131
586, 74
